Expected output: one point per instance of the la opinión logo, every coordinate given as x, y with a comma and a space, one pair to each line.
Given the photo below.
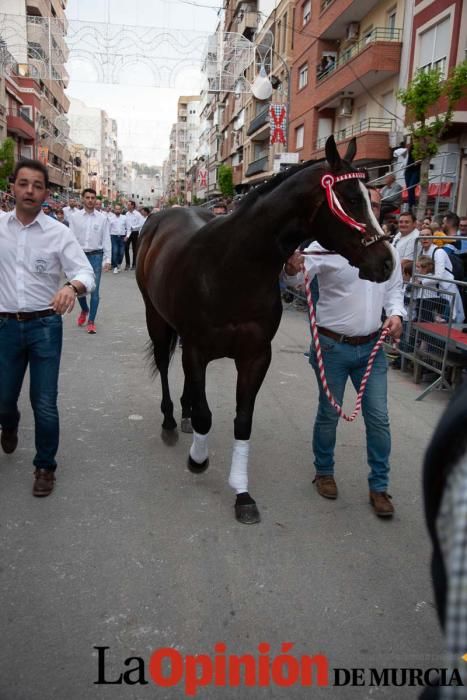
168, 667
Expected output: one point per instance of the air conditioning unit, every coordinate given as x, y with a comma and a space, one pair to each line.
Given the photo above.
345, 107
352, 31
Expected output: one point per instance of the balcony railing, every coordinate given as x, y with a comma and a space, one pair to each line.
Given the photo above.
257, 166
18, 112
370, 124
261, 119
378, 34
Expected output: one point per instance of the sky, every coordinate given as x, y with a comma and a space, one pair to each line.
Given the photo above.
144, 113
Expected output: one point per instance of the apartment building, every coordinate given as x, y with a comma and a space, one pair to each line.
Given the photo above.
183, 149
33, 95
93, 127
438, 38
266, 146
345, 76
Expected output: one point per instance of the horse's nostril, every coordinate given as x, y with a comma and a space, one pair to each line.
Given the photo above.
388, 266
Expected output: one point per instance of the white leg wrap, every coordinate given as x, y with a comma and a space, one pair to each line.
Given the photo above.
238, 478
199, 447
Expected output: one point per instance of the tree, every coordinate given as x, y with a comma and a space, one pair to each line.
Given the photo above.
7, 162
225, 180
421, 99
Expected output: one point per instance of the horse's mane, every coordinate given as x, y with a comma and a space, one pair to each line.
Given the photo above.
274, 182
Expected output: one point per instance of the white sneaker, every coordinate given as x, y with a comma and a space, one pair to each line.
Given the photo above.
116, 270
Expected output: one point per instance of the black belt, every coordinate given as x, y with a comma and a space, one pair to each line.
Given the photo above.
27, 315
93, 252
350, 339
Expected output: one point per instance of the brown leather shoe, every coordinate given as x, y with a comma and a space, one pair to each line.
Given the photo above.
43, 482
381, 503
9, 440
326, 486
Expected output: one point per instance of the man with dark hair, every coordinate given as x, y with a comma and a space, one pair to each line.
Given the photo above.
35, 250
133, 221
348, 333
91, 228
404, 240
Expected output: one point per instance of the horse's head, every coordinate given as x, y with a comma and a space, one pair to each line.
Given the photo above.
347, 223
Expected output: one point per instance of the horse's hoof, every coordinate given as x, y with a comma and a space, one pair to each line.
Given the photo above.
169, 437
169, 424
248, 513
197, 468
186, 425
246, 510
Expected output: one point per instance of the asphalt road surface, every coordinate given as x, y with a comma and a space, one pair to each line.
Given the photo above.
134, 553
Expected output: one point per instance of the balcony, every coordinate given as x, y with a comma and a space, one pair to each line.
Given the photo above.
336, 15
361, 66
375, 124
260, 120
258, 166
372, 139
247, 23
19, 123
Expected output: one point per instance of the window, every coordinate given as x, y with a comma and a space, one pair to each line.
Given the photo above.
434, 46
391, 23
302, 76
284, 35
306, 12
299, 136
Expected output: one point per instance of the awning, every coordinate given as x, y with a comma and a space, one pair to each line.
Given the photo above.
435, 189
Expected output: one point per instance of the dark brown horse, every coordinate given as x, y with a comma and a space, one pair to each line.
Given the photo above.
215, 283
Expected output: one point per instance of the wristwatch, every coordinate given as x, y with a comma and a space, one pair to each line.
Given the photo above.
70, 284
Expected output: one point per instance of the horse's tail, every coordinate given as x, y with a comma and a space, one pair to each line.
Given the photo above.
151, 350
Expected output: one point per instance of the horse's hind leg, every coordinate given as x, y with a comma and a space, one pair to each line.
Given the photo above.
163, 339
185, 401
251, 372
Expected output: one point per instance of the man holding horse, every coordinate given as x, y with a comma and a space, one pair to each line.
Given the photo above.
349, 313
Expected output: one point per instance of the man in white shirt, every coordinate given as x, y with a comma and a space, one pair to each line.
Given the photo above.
91, 228
35, 251
404, 240
69, 210
349, 313
134, 222
117, 236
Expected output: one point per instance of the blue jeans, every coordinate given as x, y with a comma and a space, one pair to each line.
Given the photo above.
118, 250
37, 343
96, 263
342, 361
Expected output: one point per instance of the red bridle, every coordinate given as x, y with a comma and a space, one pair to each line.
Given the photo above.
327, 182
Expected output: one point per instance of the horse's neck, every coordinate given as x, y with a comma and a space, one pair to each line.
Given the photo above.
275, 224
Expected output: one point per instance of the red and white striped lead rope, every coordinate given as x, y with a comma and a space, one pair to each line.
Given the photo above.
319, 357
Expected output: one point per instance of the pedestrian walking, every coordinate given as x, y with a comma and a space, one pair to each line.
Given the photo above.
117, 237
91, 228
35, 251
349, 311
134, 221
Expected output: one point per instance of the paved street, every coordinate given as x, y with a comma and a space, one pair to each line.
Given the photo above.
134, 552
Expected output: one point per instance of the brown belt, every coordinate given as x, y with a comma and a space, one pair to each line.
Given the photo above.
27, 315
350, 339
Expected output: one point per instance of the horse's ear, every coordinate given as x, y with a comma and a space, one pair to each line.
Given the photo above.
332, 154
351, 150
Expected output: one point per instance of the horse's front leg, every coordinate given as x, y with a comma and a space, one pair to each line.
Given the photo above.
194, 393
251, 372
